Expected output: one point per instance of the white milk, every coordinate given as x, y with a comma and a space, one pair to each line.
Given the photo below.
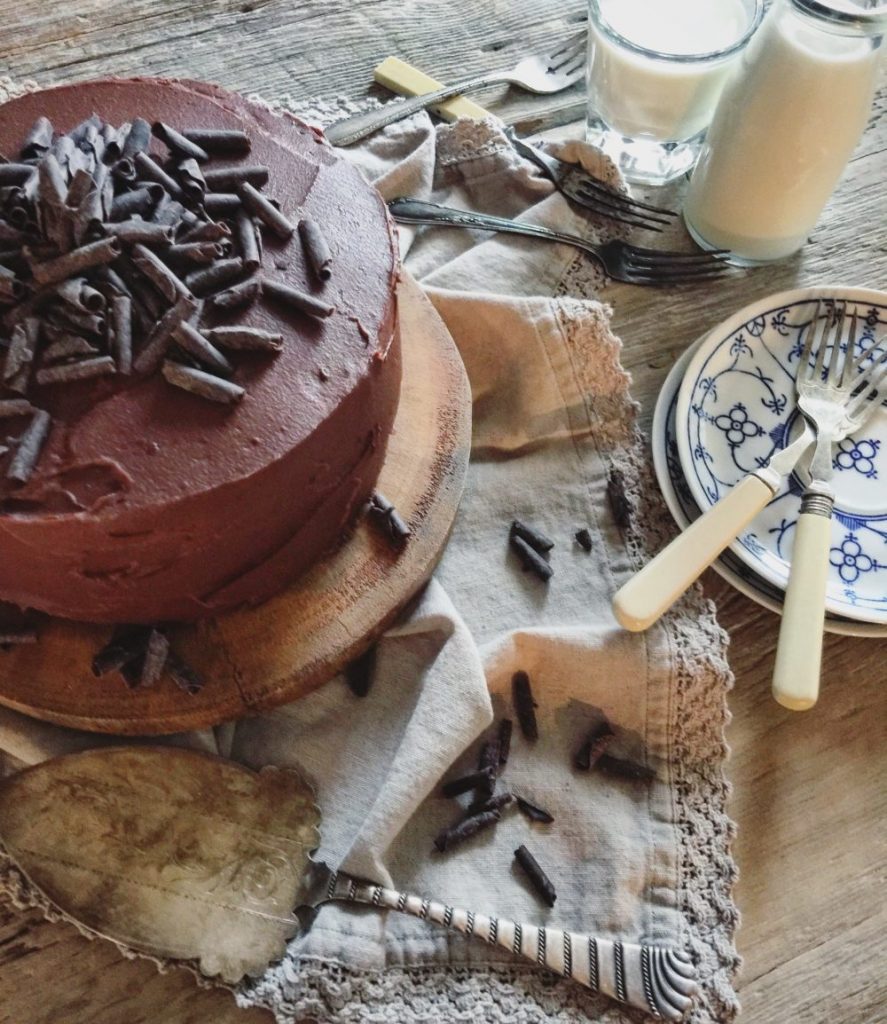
783, 132
664, 100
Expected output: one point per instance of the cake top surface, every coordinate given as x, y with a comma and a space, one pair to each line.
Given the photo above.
134, 440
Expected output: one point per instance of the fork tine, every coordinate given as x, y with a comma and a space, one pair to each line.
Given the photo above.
870, 384
674, 254
834, 357
816, 373
679, 260
610, 201
621, 216
807, 351
568, 51
850, 352
596, 188
638, 276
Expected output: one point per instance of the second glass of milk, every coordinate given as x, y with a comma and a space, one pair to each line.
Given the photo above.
655, 71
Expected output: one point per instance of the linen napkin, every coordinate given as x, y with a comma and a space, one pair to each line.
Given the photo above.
552, 419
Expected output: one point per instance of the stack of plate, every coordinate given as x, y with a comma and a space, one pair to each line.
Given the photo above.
729, 404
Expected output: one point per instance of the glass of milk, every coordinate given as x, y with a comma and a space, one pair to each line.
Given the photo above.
655, 71
785, 127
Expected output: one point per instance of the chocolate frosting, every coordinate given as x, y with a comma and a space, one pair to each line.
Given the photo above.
151, 504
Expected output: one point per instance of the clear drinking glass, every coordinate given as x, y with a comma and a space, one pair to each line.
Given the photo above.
785, 127
655, 71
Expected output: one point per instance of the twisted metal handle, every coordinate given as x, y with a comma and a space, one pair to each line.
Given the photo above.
659, 980
353, 129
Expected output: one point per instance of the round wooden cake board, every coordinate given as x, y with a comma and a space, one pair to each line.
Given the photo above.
257, 658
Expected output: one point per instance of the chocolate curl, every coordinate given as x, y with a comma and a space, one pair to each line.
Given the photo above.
121, 318
178, 143
81, 185
316, 249
77, 292
220, 204
219, 140
191, 178
29, 447
76, 261
464, 829
200, 253
53, 216
382, 512
535, 538
138, 138
131, 232
524, 705
160, 339
533, 812
540, 881
296, 299
208, 231
195, 344
170, 211
15, 174
267, 213
530, 558
594, 746
126, 644
221, 178
12, 290
183, 675
204, 384
246, 339
105, 185
84, 323
11, 407
244, 294
483, 779
62, 149
112, 141
22, 346
154, 172
65, 347
158, 273
620, 506
113, 280
203, 282
38, 140
88, 217
85, 129
125, 170
8, 233
87, 369
156, 653
625, 769
140, 201
245, 232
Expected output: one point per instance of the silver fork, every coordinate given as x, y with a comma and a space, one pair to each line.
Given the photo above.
593, 195
621, 261
543, 73
837, 399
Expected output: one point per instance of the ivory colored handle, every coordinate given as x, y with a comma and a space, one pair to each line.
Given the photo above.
660, 980
652, 591
400, 77
799, 649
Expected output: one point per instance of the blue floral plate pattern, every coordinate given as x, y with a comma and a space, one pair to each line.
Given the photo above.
684, 510
737, 407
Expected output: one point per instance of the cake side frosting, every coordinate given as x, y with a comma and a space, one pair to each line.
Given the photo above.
149, 503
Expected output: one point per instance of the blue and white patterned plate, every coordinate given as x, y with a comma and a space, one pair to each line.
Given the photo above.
737, 406
684, 510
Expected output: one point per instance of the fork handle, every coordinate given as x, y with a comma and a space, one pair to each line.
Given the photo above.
417, 211
799, 648
353, 129
652, 591
660, 980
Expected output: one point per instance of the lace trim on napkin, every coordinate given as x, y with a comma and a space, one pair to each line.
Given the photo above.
298, 989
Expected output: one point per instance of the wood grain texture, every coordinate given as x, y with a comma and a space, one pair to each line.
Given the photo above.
808, 788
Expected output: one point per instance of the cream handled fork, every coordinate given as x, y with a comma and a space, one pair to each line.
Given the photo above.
837, 397
543, 74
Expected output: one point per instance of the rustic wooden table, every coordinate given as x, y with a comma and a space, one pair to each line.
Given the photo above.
808, 795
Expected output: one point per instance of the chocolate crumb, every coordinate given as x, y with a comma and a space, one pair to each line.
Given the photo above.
625, 769
381, 512
183, 675
156, 652
583, 539
620, 506
533, 812
594, 746
505, 729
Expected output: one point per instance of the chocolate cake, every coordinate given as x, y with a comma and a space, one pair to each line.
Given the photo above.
192, 415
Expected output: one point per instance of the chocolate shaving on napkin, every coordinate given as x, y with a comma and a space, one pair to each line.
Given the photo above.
643, 861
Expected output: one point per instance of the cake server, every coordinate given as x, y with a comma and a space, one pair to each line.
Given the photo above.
837, 397
187, 855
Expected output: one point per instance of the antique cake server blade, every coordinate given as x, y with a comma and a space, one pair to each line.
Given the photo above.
186, 855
